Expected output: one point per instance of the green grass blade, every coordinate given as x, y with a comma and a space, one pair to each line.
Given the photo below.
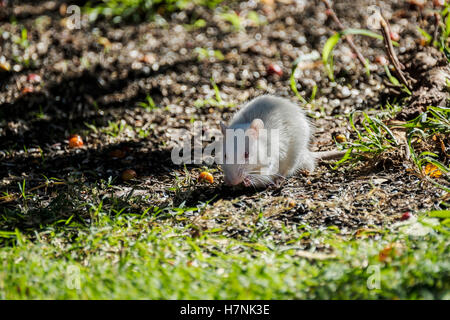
439, 213
327, 53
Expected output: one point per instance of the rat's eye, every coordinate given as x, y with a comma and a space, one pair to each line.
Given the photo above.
246, 155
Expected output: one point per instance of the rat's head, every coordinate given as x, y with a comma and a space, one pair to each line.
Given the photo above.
241, 146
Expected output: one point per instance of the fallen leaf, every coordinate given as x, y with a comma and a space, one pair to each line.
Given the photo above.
206, 176
432, 171
390, 252
340, 138
291, 203
104, 42
128, 175
75, 141
27, 90
5, 66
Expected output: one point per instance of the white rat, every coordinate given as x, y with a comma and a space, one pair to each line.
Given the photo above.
290, 143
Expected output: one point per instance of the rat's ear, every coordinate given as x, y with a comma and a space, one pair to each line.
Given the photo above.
256, 125
223, 127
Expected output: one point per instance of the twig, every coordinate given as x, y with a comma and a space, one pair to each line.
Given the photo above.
392, 87
437, 21
348, 38
386, 31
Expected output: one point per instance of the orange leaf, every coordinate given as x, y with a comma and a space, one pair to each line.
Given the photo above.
432, 171
206, 176
75, 141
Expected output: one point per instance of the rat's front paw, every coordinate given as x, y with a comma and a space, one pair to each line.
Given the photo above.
278, 181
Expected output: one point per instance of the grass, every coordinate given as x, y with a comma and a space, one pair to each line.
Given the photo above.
217, 101
88, 243
107, 250
443, 41
307, 57
422, 137
23, 39
327, 51
209, 54
148, 105
233, 19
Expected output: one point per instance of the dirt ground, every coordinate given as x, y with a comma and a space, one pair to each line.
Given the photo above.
98, 74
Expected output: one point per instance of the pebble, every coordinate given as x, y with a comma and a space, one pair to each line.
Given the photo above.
345, 92
335, 102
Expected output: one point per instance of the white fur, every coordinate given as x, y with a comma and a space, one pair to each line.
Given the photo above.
295, 134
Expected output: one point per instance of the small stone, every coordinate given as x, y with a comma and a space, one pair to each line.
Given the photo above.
381, 60
394, 36
345, 92
274, 69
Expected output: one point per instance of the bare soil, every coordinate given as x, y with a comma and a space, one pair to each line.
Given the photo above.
88, 80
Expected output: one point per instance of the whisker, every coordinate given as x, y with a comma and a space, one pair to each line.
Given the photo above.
260, 179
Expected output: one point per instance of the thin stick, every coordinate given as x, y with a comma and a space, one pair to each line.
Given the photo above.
348, 38
386, 31
437, 21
